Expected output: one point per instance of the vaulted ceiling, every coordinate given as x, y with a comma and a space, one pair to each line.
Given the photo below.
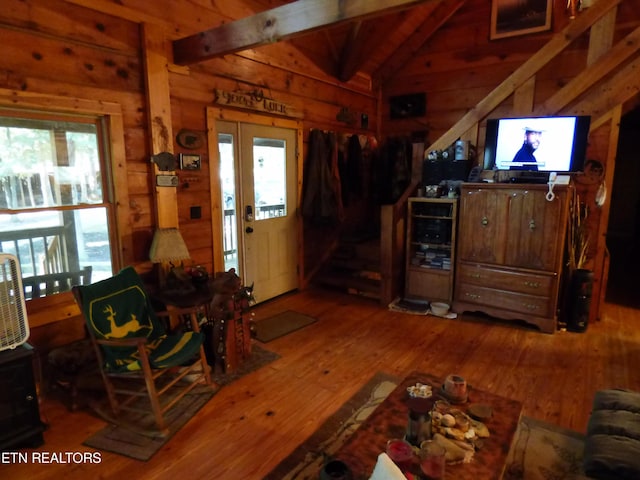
344, 39
341, 39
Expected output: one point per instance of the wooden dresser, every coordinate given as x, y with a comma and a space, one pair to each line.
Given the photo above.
511, 243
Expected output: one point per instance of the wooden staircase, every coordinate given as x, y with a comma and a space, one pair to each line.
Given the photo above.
354, 266
610, 67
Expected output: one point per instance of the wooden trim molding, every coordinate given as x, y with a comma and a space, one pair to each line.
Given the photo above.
213, 115
62, 306
155, 45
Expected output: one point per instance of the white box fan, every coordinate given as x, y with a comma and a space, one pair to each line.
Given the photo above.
14, 327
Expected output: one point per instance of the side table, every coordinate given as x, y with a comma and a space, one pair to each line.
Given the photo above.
224, 302
20, 424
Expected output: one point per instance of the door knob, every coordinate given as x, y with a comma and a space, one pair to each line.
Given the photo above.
249, 229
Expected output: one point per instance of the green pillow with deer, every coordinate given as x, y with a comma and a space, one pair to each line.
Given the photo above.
118, 308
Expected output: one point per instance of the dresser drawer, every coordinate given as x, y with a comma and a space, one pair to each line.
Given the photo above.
504, 300
521, 282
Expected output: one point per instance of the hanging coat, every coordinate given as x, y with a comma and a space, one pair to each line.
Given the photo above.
319, 202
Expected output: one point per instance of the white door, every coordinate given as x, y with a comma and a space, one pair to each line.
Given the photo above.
264, 204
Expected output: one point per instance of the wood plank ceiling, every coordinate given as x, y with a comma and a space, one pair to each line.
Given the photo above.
341, 40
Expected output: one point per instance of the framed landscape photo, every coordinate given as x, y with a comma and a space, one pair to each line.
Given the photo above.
510, 18
189, 161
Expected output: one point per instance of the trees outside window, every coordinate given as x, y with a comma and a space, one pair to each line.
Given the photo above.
55, 203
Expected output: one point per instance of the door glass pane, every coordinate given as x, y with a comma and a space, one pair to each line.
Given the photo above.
227, 180
270, 178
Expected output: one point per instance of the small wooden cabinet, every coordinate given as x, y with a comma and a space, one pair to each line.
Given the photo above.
510, 253
431, 240
20, 424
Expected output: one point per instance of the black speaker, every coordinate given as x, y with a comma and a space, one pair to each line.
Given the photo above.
458, 170
435, 171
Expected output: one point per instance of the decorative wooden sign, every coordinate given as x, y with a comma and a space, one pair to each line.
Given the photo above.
254, 101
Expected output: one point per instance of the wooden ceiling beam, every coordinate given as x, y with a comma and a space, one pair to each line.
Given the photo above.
603, 66
530, 67
623, 86
280, 23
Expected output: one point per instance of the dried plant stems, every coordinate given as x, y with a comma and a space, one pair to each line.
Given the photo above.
578, 234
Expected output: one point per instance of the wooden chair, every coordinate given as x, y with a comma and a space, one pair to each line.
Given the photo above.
43, 285
133, 347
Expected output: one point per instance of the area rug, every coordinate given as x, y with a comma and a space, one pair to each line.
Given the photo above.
306, 460
281, 324
127, 440
540, 451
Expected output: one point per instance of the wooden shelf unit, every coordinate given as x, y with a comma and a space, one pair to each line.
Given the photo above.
430, 256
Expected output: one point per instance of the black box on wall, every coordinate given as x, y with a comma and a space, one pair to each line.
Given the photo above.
408, 106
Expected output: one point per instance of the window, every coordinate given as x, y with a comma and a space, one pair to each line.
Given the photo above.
55, 204
269, 178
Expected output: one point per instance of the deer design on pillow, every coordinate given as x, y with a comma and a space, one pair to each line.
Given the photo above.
119, 331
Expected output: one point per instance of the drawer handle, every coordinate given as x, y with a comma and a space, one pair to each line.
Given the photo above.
484, 221
530, 306
532, 284
475, 275
473, 296
532, 224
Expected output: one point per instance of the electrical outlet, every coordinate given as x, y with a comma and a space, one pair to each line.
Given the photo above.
195, 212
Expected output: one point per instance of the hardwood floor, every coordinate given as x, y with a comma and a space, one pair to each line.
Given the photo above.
249, 426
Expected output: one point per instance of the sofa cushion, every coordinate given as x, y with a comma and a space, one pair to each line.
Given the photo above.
612, 445
614, 422
617, 399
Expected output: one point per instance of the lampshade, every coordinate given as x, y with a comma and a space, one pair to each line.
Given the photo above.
168, 246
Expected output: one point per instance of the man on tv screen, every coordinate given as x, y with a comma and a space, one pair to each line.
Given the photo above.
524, 158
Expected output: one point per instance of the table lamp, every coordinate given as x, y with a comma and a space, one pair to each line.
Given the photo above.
168, 248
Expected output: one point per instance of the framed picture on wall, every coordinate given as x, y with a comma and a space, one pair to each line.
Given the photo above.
510, 18
189, 161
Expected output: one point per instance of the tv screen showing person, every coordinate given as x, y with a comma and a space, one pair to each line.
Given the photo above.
535, 144
524, 158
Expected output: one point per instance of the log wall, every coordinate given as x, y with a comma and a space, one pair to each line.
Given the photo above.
87, 49
64, 49
460, 66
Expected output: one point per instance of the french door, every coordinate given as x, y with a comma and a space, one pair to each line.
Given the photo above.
258, 178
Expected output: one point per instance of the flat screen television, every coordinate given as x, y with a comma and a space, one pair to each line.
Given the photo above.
544, 144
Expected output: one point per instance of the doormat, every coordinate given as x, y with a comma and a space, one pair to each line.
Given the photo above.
126, 440
281, 324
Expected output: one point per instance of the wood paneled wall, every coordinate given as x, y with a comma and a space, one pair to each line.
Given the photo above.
69, 49
65, 49
459, 66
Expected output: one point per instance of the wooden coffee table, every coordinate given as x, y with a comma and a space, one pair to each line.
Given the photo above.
390, 419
